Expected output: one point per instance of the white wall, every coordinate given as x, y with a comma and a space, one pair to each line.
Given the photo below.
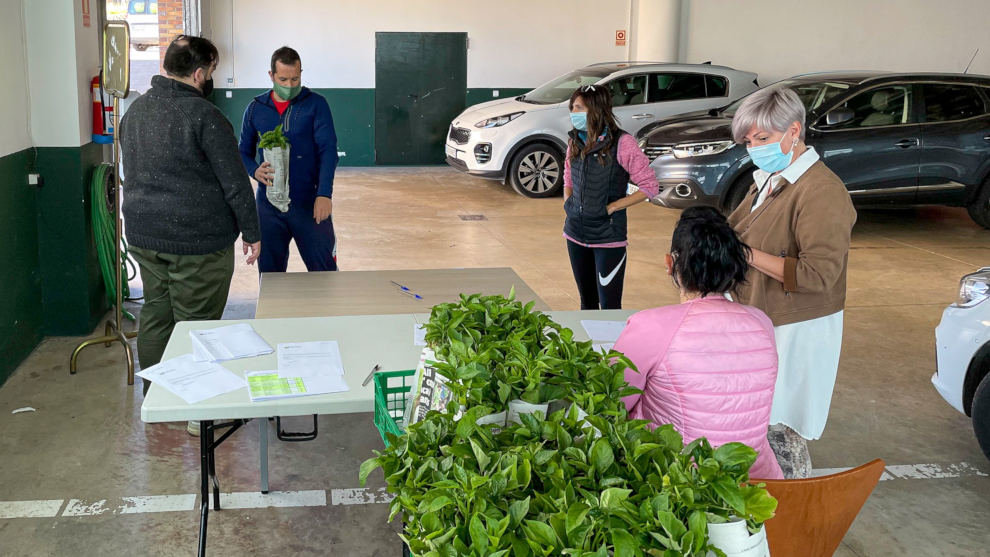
14, 108
780, 38
655, 35
51, 41
87, 66
513, 43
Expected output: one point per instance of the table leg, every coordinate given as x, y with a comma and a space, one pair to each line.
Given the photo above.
263, 425
213, 470
204, 459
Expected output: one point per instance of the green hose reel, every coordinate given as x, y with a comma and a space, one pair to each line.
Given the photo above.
102, 200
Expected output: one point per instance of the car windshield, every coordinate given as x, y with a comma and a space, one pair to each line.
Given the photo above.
812, 94
560, 89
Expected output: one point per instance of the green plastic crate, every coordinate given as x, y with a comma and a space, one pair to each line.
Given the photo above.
391, 388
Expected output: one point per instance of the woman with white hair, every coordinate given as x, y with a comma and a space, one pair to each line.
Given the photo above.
797, 218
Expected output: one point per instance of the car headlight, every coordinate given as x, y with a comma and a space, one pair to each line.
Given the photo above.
974, 288
497, 121
686, 150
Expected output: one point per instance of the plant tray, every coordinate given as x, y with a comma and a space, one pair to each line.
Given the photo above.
391, 388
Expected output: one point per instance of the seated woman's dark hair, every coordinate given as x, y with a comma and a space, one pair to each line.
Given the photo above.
709, 257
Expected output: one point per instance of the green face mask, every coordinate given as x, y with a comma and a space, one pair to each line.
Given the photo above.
287, 93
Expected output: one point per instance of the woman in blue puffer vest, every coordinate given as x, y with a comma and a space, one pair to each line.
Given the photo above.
601, 160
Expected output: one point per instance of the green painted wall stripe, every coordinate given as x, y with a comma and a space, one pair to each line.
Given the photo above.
21, 317
73, 292
50, 271
353, 115
353, 118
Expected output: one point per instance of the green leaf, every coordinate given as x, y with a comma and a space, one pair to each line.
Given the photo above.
601, 454
644, 448
575, 517
613, 497
730, 492
518, 511
760, 505
674, 528
735, 455
479, 535
430, 522
541, 533
479, 455
439, 503
366, 468
698, 525
544, 456
624, 543
523, 474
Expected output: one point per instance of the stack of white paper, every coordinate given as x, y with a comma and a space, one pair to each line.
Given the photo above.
304, 368
191, 380
607, 331
228, 343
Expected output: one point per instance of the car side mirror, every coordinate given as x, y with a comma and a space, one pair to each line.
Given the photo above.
838, 116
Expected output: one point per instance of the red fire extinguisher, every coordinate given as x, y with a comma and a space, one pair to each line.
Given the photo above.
102, 114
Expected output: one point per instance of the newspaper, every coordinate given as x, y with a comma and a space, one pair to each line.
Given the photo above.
430, 390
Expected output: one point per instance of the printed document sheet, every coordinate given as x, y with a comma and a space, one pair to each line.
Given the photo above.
228, 343
603, 331
191, 380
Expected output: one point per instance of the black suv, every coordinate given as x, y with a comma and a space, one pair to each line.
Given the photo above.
891, 138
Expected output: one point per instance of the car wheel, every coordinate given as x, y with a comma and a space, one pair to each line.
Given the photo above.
981, 415
537, 171
979, 208
736, 194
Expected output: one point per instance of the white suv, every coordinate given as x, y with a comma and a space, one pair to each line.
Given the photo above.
962, 351
523, 140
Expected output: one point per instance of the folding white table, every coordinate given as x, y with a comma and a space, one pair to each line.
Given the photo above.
365, 341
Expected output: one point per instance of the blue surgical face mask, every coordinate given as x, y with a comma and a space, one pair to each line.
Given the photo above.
771, 157
580, 121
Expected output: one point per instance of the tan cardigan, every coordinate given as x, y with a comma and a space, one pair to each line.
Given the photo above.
809, 223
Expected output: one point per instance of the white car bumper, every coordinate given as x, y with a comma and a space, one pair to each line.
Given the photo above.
476, 151
958, 336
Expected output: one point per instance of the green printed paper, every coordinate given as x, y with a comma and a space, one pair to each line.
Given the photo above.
270, 385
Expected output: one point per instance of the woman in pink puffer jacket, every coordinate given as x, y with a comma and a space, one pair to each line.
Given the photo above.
707, 365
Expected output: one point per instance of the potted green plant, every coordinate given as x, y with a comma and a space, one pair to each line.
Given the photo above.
275, 148
582, 480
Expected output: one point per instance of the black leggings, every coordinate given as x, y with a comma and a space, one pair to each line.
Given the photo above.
599, 273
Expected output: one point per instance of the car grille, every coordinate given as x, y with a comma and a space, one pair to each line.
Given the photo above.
652, 152
459, 136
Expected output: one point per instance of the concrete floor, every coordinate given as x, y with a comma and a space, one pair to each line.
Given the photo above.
86, 440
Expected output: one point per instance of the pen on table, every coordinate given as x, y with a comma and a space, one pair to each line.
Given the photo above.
374, 370
407, 290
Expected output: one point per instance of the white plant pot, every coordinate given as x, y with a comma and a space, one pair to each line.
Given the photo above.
278, 192
493, 419
517, 407
735, 540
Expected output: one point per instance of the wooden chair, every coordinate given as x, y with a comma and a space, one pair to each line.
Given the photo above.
814, 514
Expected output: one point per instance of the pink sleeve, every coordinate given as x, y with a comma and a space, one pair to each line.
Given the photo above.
568, 183
638, 166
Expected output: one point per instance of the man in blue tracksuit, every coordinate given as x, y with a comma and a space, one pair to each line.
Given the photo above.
308, 125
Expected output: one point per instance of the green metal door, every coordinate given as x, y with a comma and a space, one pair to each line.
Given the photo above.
420, 86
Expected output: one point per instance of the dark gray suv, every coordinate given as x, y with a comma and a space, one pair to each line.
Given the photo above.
891, 138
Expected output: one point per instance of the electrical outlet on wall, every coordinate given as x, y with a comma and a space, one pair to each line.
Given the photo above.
230, 94
494, 92
35, 179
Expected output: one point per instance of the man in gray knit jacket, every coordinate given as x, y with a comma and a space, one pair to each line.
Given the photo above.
186, 197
